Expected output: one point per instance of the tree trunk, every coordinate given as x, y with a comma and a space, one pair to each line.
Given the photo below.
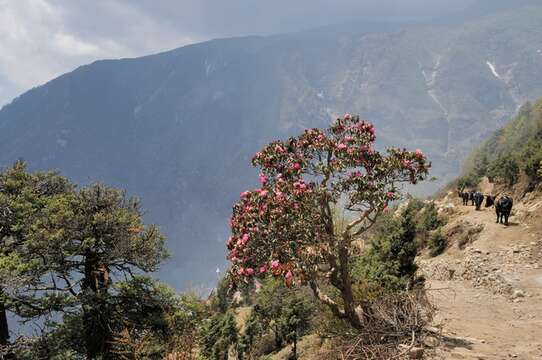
294, 348
95, 284
346, 291
4, 328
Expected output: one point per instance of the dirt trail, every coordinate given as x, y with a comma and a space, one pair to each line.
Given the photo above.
490, 293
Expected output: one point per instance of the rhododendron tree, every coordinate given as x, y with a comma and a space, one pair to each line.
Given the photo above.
286, 228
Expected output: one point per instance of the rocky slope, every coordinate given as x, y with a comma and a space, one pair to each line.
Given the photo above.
178, 128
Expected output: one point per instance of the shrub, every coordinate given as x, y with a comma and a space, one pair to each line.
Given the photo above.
429, 219
469, 180
437, 243
532, 158
285, 311
505, 168
389, 262
218, 335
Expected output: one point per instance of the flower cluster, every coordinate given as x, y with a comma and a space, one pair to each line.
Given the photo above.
283, 228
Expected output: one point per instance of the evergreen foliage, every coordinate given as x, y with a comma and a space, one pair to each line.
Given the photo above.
63, 253
219, 334
437, 243
515, 148
389, 262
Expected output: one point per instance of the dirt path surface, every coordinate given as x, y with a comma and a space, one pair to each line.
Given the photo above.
489, 292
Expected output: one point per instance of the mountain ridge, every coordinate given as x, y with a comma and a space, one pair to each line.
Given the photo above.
178, 128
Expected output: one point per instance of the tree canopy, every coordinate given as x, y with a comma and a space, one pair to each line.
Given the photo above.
287, 228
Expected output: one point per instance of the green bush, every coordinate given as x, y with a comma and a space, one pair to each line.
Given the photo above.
532, 157
274, 303
218, 335
505, 168
389, 262
429, 219
469, 180
437, 243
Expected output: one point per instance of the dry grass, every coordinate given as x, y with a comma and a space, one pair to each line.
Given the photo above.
394, 324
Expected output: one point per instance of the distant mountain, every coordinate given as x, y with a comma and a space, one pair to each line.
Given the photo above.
178, 128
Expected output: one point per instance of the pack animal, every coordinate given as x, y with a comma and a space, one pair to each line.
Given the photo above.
503, 207
478, 200
464, 196
471, 197
490, 201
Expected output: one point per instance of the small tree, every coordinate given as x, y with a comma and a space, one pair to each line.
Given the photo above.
294, 321
218, 336
437, 243
93, 237
27, 286
505, 168
482, 165
253, 329
286, 228
389, 262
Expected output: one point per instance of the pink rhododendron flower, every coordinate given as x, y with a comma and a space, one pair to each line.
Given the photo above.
296, 206
249, 271
347, 116
288, 275
356, 174
244, 193
390, 194
275, 264
230, 240
419, 153
264, 193
297, 166
263, 269
245, 238
342, 146
263, 179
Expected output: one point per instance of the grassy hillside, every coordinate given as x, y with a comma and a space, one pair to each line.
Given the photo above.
512, 150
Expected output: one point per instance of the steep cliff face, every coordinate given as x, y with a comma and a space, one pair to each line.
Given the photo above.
178, 129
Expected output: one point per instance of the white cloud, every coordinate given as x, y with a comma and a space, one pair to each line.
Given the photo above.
71, 46
42, 39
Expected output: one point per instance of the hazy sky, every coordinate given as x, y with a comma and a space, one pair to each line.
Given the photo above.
41, 39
